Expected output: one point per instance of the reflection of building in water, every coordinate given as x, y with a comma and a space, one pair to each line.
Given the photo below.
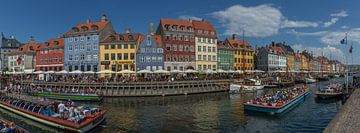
205, 114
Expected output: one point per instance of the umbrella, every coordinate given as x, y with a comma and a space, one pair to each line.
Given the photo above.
105, 71
62, 72
221, 71
76, 72
209, 71
239, 71
126, 71
89, 72
29, 71
161, 71
144, 71
231, 71
38, 72
176, 71
190, 71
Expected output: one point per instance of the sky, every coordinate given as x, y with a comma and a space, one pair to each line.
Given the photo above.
313, 25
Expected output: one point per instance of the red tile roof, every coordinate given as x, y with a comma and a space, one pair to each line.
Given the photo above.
52, 43
203, 25
239, 44
278, 50
177, 22
100, 25
26, 49
158, 40
116, 37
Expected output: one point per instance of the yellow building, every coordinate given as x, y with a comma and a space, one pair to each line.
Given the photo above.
118, 52
205, 45
290, 62
243, 54
304, 63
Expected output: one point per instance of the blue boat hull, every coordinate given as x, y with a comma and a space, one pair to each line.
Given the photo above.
277, 110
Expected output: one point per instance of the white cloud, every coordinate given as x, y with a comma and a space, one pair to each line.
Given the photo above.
340, 14
331, 22
344, 27
334, 38
297, 33
328, 51
258, 21
187, 17
296, 24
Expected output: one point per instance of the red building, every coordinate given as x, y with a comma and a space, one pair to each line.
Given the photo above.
49, 57
179, 44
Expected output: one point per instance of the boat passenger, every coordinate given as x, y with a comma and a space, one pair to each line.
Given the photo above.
61, 108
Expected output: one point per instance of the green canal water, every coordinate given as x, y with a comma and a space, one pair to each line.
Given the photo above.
212, 112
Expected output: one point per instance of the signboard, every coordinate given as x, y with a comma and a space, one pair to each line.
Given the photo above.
105, 62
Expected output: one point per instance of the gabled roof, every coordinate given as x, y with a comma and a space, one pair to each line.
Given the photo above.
239, 44
88, 25
54, 43
157, 39
178, 22
203, 25
28, 48
123, 38
9, 42
222, 45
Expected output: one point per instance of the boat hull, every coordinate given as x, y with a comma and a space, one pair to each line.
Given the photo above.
309, 80
272, 110
59, 96
327, 95
234, 88
49, 123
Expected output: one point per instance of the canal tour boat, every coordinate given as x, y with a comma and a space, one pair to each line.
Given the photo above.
330, 91
251, 86
278, 107
72, 96
44, 113
12, 127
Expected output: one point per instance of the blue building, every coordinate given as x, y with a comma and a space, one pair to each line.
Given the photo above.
81, 47
150, 53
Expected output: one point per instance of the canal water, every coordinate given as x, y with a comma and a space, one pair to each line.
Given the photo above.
212, 112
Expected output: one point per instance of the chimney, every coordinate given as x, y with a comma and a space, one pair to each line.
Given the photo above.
127, 30
32, 39
104, 18
234, 36
151, 28
203, 20
87, 21
190, 20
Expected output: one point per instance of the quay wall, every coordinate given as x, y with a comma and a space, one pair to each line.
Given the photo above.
141, 88
347, 120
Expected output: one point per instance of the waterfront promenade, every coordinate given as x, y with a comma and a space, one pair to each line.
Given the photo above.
347, 119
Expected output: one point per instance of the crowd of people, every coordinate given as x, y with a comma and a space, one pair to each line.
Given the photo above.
73, 90
7, 127
279, 98
69, 111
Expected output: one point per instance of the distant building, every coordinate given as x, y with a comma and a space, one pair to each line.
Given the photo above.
118, 51
150, 53
27, 53
225, 54
178, 43
243, 53
205, 45
272, 58
81, 47
50, 57
7, 45
290, 55
297, 64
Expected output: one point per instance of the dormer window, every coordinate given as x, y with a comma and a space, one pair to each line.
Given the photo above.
94, 28
189, 29
121, 37
21, 49
75, 30
112, 38
212, 33
182, 28
148, 40
235, 45
84, 29
199, 31
174, 27
167, 27
56, 43
131, 37
31, 48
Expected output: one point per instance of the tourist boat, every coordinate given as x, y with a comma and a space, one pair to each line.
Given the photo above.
330, 91
322, 78
310, 80
17, 128
43, 112
246, 86
277, 109
71, 96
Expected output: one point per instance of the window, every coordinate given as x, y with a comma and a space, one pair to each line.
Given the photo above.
148, 41
167, 37
214, 49
95, 47
119, 56
82, 46
160, 50
191, 48
209, 58
148, 58
121, 37
181, 58
95, 57
82, 38
75, 30
131, 37
132, 46
204, 57
186, 38
126, 67
209, 49
60, 59
199, 48
76, 47
112, 46
88, 48
132, 56
181, 47
55, 59
88, 57
199, 57
70, 57
174, 58
94, 28
186, 48
126, 56
112, 56
95, 37
186, 58
174, 47
168, 47
70, 48
126, 46
214, 58
204, 48
159, 59
168, 57
118, 46
82, 57
106, 56
76, 57
199, 39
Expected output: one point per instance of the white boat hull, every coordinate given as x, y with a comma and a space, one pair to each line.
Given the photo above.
234, 88
309, 80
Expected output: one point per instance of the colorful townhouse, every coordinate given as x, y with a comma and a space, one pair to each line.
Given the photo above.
243, 54
150, 53
304, 63
26, 54
205, 45
50, 57
272, 58
7, 45
118, 51
290, 56
81, 47
225, 54
178, 43
323, 63
297, 64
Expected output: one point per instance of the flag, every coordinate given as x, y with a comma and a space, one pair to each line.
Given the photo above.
19, 60
350, 49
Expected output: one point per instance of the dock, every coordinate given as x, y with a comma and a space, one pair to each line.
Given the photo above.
347, 119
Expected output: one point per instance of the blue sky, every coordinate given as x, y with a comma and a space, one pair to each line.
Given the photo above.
314, 25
